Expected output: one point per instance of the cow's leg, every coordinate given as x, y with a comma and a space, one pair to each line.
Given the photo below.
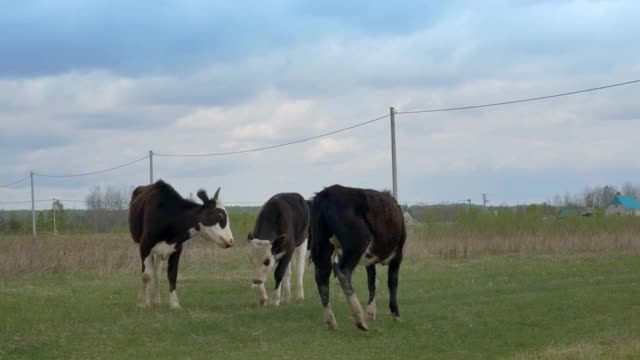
146, 274
344, 269
300, 257
157, 267
287, 283
323, 274
394, 269
172, 274
279, 275
371, 280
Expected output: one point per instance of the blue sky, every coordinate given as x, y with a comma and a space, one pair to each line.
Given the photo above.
88, 85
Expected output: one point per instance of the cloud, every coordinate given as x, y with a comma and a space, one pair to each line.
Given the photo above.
96, 86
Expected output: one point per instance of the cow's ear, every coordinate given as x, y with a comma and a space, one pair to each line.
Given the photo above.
279, 243
215, 196
202, 194
249, 236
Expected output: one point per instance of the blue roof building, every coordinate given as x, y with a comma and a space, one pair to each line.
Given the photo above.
623, 205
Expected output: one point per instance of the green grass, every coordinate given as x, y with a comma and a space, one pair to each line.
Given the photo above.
576, 306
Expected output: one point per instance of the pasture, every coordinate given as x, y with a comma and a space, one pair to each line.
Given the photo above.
460, 297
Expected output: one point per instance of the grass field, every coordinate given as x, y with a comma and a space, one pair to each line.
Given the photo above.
580, 305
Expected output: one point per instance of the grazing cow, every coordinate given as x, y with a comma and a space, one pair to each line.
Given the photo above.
351, 226
160, 221
280, 233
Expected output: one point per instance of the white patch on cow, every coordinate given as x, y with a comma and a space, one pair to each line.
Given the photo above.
143, 294
262, 293
368, 258
173, 300
262, 259
157, 267
275, 297
221, 236
356, 309
300, 257
147, 274
163, 250
329, 318
371, 310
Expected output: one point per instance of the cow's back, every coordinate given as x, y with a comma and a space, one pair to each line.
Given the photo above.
284, 212
378, 210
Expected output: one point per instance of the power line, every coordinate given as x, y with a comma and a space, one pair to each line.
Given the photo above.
94, 172
24, 201
518, 101
279, 145
15, 182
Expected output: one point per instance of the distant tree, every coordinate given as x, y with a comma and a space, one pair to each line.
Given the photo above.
41, 222
13, 225
630, 189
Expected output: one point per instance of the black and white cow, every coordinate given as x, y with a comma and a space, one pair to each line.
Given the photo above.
160, 221
280, 234
351, 226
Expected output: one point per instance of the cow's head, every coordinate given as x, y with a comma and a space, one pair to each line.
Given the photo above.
213, 221
264, 255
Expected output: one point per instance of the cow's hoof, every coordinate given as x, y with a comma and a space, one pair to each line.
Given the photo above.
332, 324
362, 325
395, 317
142, 305
263, 302
175, 306
371, 316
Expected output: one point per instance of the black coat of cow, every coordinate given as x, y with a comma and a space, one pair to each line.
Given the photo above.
351, 226
279, 234
160, 221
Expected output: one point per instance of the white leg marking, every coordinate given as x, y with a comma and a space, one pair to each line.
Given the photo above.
287, 283
143, 295
275, 297
157, 267
371, 310
173, 300
262, 294
329, 318
300, 257
357, 312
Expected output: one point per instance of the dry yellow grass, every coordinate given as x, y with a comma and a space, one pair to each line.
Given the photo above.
466, 245
96, 253
108, 253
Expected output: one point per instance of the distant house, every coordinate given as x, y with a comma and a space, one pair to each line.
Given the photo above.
623, 205
568, 212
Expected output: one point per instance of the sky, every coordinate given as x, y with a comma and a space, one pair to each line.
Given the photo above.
91, 85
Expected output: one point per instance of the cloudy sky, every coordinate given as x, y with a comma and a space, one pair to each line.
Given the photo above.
90, 85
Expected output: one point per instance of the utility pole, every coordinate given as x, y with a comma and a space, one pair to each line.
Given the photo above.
468, 205
394, 170
55, 227
484, 203
33, 210
150, 166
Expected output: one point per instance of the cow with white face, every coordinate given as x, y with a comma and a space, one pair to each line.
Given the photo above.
280, 234
160, 221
